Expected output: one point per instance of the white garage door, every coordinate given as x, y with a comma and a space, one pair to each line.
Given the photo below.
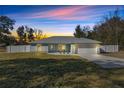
87, 51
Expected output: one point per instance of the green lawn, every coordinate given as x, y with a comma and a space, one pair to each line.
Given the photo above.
43, 70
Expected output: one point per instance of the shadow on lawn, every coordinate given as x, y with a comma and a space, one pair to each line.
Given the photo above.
51, 73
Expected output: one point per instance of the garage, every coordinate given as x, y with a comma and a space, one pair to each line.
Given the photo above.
88, 48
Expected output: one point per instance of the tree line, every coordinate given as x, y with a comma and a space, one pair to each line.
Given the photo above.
110, 30
25, 34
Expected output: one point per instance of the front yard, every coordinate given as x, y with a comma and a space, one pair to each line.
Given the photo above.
43, 70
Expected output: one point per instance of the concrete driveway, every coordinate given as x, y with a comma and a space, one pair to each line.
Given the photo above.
104, 61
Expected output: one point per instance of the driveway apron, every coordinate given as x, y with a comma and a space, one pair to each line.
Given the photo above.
104, 61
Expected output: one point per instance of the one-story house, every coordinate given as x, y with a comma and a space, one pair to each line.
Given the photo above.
67, 45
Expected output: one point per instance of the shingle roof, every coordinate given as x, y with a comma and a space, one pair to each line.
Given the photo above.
64, 40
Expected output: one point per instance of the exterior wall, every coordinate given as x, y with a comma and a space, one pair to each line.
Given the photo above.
44, 49
33, 48
26, 48
8, 49
18, 48
109, 48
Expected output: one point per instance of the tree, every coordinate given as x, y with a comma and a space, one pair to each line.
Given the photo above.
82, 32
110, 30
21, 34
8, 40
79, 33
6, 25
89, 35
27, 34
86, 32
39, 34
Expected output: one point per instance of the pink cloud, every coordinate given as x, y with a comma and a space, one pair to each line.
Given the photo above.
75, 17
64, 13
67, 13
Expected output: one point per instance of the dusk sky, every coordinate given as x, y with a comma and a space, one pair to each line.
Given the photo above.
57, 20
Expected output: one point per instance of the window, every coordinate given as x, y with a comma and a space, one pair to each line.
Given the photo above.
51, 46
63, 47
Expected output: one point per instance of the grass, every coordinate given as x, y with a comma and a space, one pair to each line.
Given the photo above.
43, 70
119, 54
2, 49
